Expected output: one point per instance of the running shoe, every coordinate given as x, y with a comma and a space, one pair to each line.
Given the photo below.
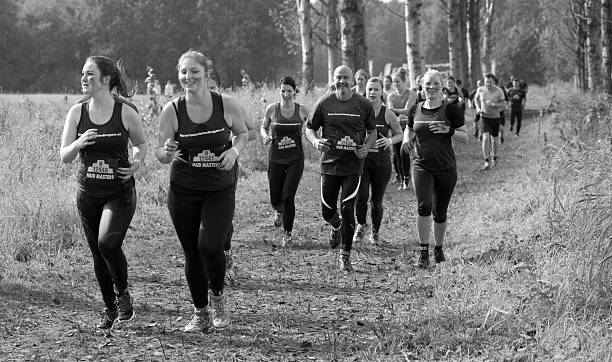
486, 166
374, 238
423, 262
107, 318
402, 186
278, 219
229, 260
200, 321
359, 233
439, 254
335, 238
125, 310
217, 307
345, 261
493, 162
286, 238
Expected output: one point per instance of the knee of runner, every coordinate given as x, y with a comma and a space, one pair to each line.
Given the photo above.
424, 210
439, 219
110, 243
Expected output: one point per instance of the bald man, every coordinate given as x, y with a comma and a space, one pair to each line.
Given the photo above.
348, 133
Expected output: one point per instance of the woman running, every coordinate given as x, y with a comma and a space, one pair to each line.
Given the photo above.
282, 129
98, 130
377, 168
388, 87
431, 125
400, 103
193, 136
361, 77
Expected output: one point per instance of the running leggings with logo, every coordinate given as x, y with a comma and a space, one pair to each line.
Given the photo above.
401, 162
105, 222
374, 176
433, 191
330, 186
202, 220
284, 181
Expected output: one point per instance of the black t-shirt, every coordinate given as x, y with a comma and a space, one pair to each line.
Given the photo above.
344, 125
452, 96
516, 97
434, 151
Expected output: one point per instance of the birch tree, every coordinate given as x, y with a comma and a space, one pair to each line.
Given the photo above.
354, 52
416, 61
606, 28
473, 40
303, 7
333, 38
489, 11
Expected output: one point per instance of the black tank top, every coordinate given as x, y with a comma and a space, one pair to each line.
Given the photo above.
434, 151
201, 144
286, 147
380, 155
99, 162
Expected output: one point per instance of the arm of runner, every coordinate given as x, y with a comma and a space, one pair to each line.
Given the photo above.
167, 147
71, 144
264, 130
234, 118
313, 124
133, 124
396, 130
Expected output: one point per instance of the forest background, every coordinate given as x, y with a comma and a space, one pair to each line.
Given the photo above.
43, 43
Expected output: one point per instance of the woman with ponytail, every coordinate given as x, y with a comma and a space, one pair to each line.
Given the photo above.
99, 130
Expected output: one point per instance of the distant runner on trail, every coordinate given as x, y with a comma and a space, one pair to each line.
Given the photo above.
282, 130
489, 102
98, 130
361, 77
349, 131
400, 103
193, 136
517, 104
377, 168
432, 125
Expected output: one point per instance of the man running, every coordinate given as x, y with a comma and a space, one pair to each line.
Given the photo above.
348, 133
489, 102
517, 104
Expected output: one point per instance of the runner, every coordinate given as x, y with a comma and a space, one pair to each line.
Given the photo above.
473, 105
400, 103
377, 168
464, 95
98, 130
282, 130
361, 76
388, 88
432, 125
193, 136
345, 118
517, 104
489, 102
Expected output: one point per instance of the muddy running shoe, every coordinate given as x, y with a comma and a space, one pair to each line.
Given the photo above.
229, 260
125, 311
335, 238
107, 318
439, 254
345, 261
278, 219
486, 166
374, 238
200, 321
217, 306
286, 238
359, 233
423, 262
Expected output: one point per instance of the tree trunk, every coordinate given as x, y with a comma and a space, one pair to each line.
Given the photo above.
473, 40
486, 37
354, 52
463, 49
333, 38
454, 41
303, 7
592, 45
416, 61
577, 8
606, 28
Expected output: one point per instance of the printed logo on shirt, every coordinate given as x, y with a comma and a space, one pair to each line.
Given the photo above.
346, 143
344, 114
100, 170
103, 135
285, 143
203, 133
204, 159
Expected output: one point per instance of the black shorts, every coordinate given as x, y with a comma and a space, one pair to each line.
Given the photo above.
490, 125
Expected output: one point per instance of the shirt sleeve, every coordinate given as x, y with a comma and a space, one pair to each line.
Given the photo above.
454, 115
315, 119
411, 114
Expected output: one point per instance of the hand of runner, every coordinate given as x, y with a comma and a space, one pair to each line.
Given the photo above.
383, 142
322, 144
228, 159
88, 138
439, 127
266, 140
126, 172
361, 151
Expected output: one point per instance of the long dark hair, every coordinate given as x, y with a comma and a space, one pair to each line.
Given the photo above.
120, 85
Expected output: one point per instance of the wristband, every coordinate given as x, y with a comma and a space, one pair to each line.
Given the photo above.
451, 132
236, 150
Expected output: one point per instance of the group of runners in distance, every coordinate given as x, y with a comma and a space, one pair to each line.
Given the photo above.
363, 127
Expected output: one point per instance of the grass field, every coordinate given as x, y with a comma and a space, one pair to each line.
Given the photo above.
528, 276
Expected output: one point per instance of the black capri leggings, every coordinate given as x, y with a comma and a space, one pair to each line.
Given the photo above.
433, 191
202, 220
330, 186
376, 177
105, 221
283, 181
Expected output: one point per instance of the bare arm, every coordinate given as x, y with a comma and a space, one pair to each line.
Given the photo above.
461, 134
71, 144
234, 117
264, 131
168, 125
133, 124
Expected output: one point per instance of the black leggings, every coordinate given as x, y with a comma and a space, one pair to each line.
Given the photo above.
284, 181
330, 186
433, 191
202, 220
516, 114
374, 176
401, 162
105, 221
